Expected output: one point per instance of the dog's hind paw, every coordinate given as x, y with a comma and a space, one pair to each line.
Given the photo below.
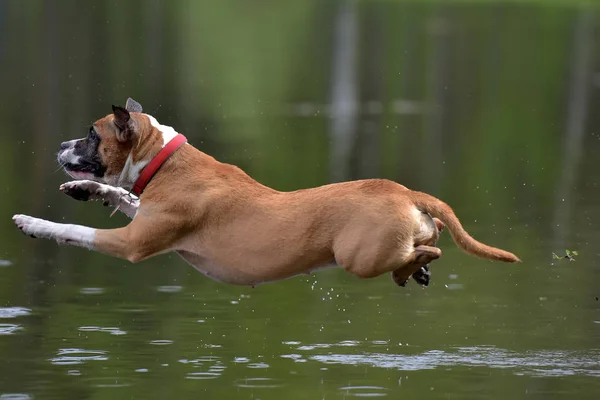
399, 279
422, 276
403, 284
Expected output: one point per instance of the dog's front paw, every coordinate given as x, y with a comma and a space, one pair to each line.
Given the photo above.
83, 190
34, 227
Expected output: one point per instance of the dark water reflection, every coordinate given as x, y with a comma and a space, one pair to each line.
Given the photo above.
497, 121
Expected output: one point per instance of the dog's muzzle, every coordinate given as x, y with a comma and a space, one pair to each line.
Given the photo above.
66, 155
77, 165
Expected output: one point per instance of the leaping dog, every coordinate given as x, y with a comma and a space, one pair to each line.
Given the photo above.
234, 229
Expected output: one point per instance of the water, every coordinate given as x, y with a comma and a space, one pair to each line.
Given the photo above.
373, 340
492, 120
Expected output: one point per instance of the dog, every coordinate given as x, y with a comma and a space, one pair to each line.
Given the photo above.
234, 229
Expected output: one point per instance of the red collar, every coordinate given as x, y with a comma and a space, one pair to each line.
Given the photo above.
158, 160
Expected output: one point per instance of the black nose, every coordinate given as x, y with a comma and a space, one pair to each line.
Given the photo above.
64, 145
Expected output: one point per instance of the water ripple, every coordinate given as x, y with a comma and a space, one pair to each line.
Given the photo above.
161, 342
91, 290
111, 330
9, 329
78, 356
15, 396
536, 363
215, 367
14, 312
295, 357
258, 365
200, 360
344, 343
257, 383
202, 375
169, 289
109, 382
364, 391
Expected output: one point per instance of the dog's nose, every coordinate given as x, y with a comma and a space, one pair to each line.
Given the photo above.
64, 145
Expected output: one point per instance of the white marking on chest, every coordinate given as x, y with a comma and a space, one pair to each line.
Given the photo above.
131, 171
168, 133
417, 212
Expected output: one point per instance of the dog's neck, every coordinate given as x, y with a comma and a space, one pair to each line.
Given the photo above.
154, 165
144, 151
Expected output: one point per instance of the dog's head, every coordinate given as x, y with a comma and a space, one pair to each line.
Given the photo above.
116, 148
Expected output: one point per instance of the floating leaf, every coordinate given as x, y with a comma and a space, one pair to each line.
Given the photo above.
569, 255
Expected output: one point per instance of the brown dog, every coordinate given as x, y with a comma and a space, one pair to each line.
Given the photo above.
232, 228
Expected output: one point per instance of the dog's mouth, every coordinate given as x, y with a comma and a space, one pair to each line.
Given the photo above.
79, 166
84, 170
83, 167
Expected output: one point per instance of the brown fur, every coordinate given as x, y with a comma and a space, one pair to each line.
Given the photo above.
237, 230
143, 141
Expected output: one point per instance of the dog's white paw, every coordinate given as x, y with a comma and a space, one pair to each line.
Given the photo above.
84, 190
34, 227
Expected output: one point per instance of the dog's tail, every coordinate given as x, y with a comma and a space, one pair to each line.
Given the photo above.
441, 210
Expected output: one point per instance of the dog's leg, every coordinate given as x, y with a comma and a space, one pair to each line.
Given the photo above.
114, 196
423, 275
143, 237
421, 256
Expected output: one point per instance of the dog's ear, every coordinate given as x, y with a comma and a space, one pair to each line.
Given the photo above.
122, 117
124, 124
133, 106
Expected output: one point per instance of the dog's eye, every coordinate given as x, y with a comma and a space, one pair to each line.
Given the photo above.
92, 135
